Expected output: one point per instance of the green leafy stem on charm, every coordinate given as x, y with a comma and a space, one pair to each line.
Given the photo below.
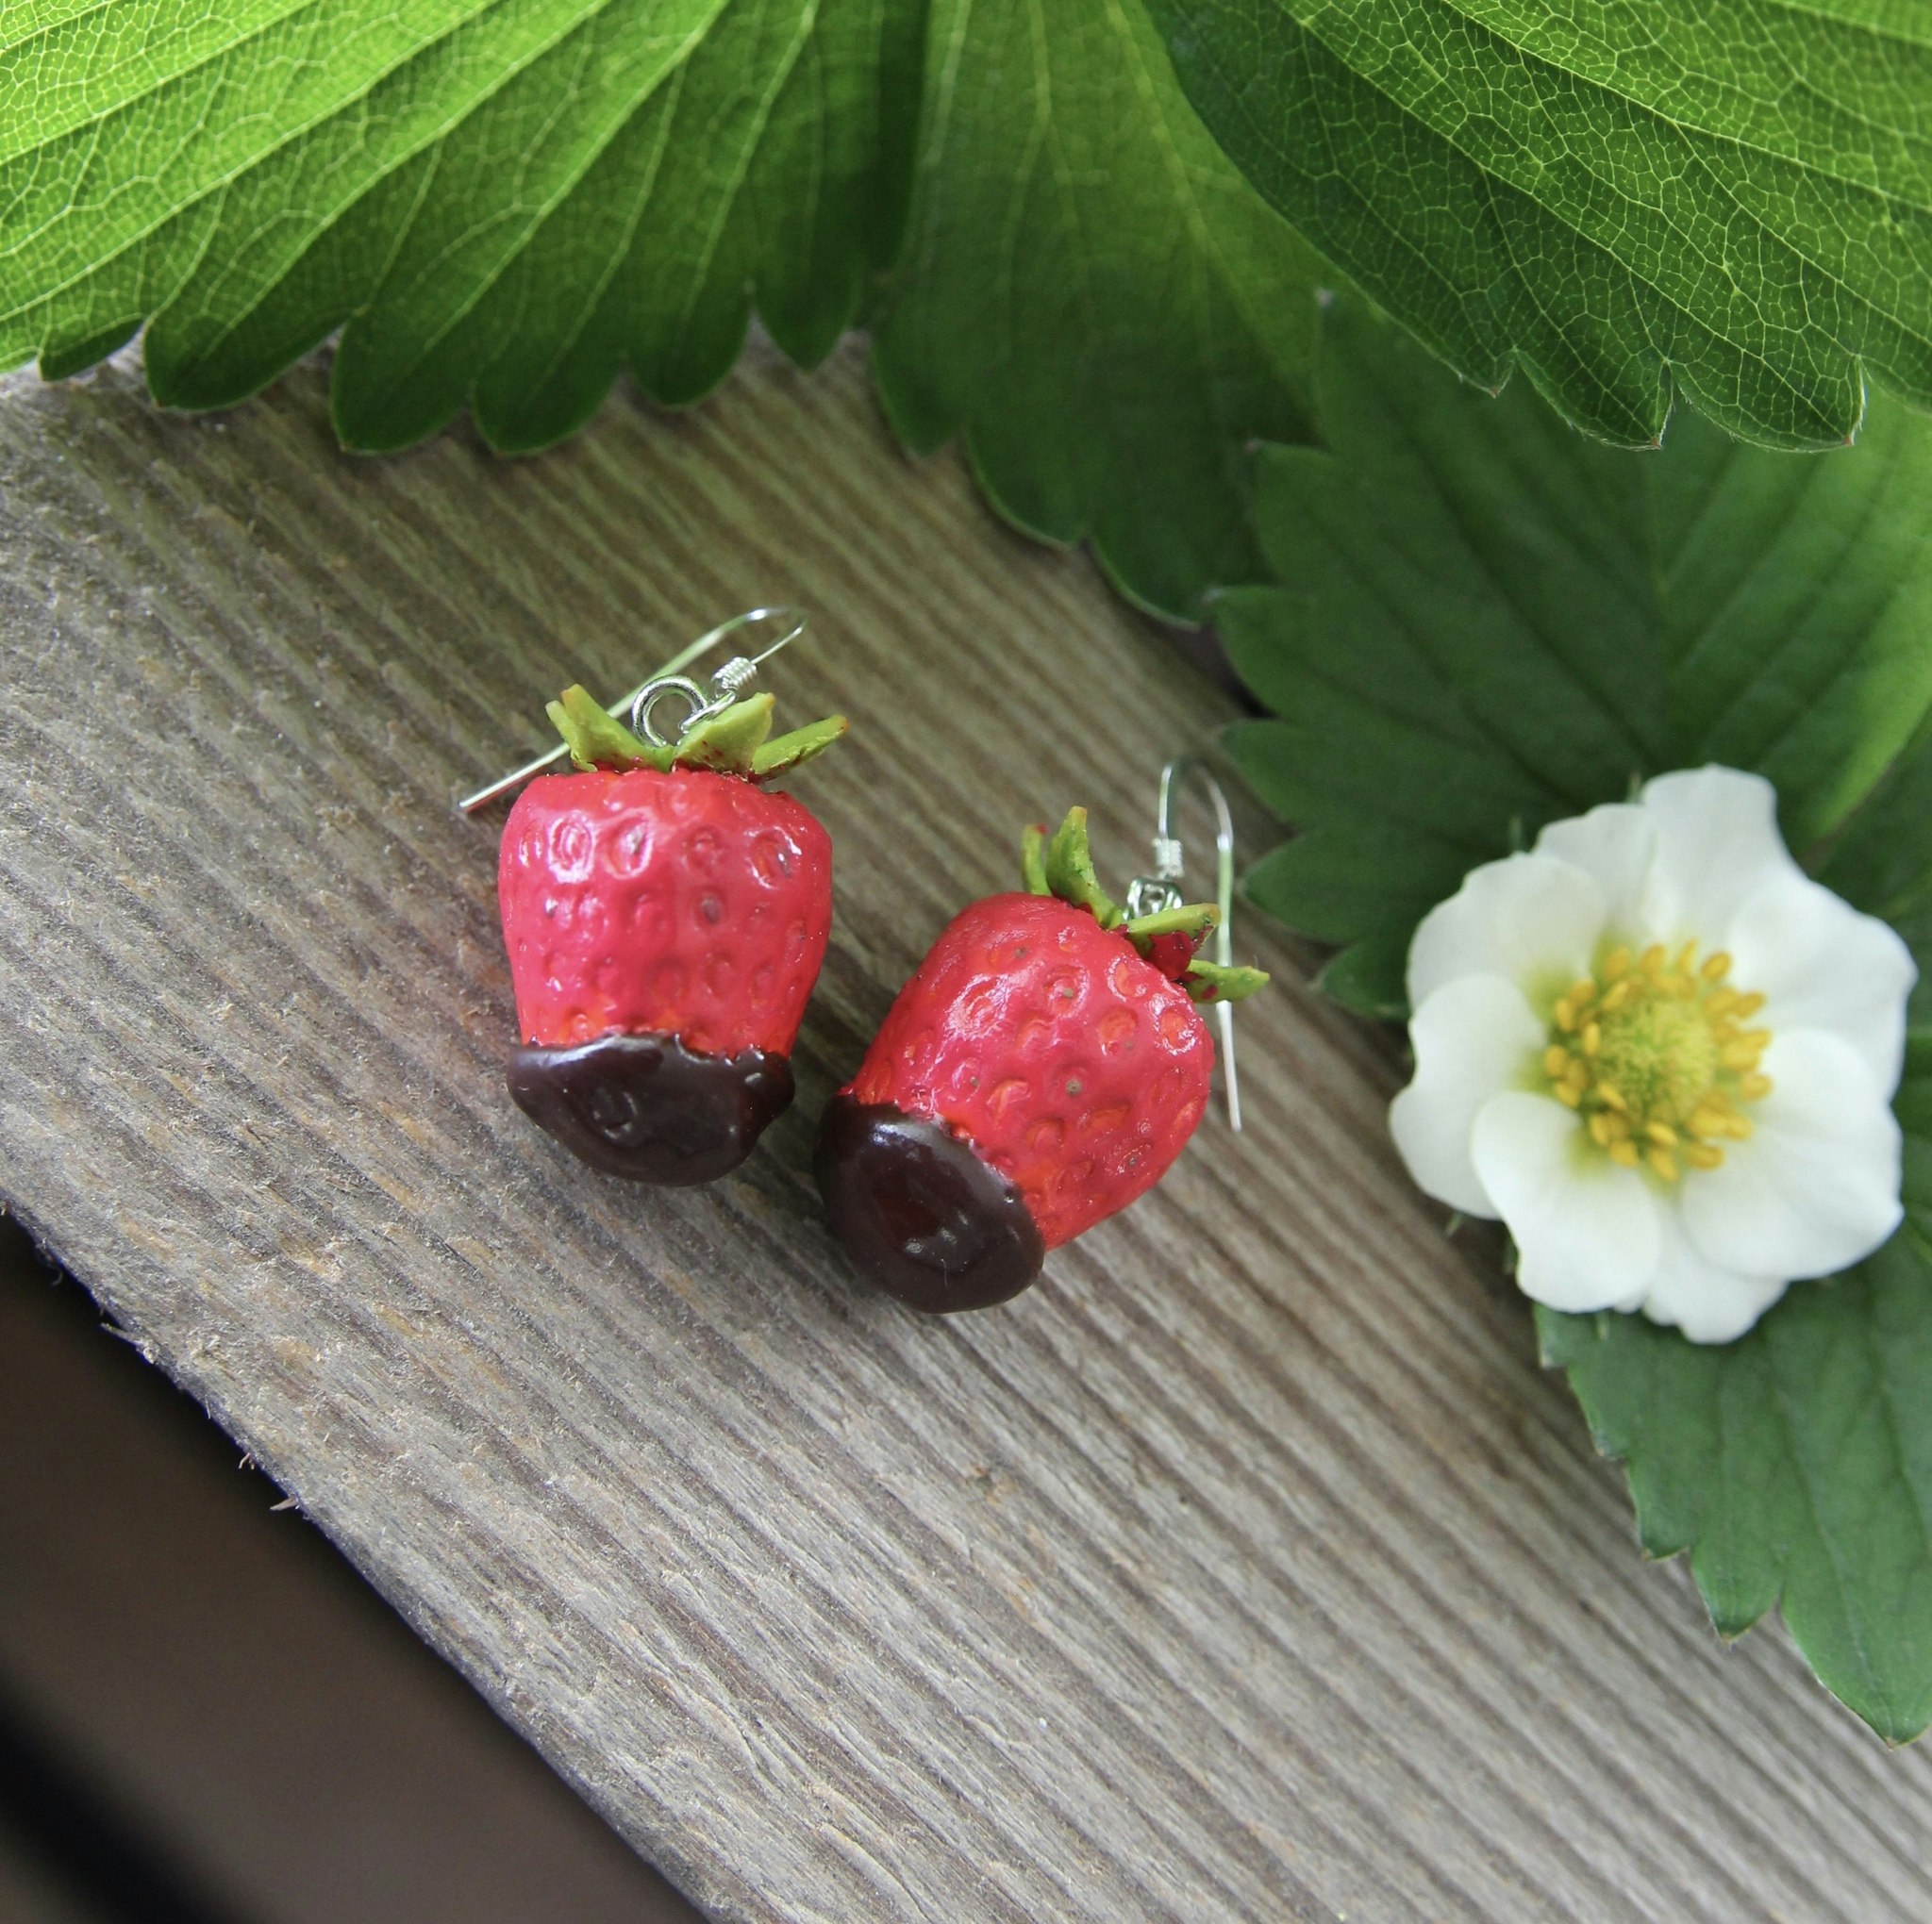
737, 740
1209, 981
1061, 865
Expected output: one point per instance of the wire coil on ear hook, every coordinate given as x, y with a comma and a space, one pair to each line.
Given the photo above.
1161, 890
728, 686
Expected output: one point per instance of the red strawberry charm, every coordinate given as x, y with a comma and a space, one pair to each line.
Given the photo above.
1043, 1067
665, 918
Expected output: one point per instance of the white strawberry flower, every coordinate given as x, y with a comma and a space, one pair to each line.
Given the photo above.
1663, 1056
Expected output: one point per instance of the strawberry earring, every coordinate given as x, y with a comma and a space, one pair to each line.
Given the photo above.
1044, 1066
665, 918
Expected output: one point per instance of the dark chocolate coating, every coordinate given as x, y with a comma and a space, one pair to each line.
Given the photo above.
647, 1107
919, 1212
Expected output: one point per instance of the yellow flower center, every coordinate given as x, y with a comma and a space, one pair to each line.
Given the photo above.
1654, 1054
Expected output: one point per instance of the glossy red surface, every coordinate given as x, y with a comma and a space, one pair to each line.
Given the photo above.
689, 904
1073, 1066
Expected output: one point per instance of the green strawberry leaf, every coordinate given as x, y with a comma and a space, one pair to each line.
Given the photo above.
1880, 859
597, 739
1371, 978
1487, 620
1091, 296
1913, 1104
505, 203
1794, 1464
502, 203
783, 752
1734, 202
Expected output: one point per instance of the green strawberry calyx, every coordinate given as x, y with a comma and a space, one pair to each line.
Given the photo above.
737, 740
1061, 865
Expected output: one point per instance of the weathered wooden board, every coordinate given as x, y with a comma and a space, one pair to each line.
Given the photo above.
1246, 1569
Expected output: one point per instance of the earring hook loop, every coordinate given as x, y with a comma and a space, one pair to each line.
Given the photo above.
1150, 894
728, 684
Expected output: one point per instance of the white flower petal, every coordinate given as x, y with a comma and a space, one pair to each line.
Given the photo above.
1822, 964
1528, 918
1586, 1229
1616, 844
1717, 844
1711, 1305
1816, 1186
1471, 1038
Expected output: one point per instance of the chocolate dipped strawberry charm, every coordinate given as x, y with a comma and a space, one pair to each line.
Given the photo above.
1043, 1067
665, 918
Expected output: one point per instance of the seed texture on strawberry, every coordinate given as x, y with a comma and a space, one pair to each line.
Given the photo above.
1043, 1067
665, 918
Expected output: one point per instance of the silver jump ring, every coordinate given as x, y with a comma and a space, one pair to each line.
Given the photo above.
728, 686
648, 698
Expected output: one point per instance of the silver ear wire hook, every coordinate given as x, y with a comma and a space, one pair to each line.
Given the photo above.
1152, 894
728, 686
